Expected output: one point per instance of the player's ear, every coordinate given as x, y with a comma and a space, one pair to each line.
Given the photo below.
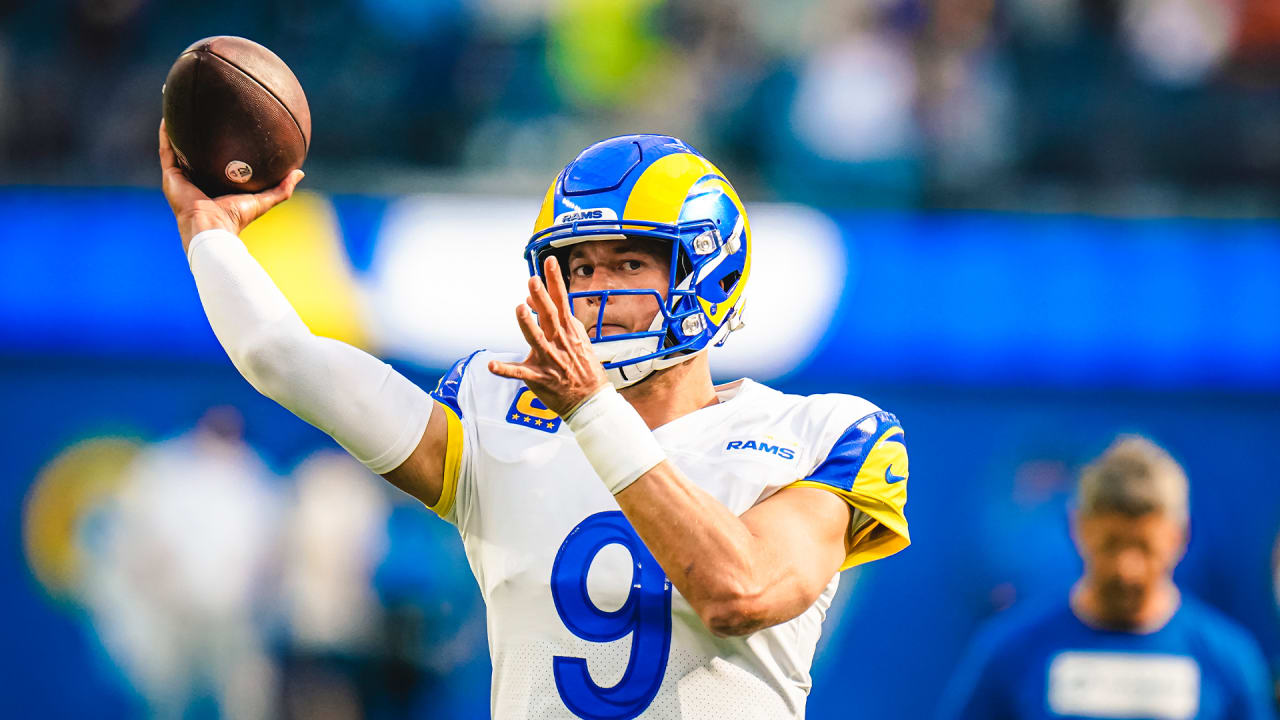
1184, 538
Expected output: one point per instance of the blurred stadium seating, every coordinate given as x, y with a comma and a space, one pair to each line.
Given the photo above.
1128, 105
1023, 226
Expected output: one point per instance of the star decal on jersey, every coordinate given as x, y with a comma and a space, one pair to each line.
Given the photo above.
528, 410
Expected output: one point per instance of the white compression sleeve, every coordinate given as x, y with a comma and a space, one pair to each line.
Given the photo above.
374, 412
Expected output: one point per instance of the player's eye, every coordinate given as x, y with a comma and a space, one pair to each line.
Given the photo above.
583, 271
632, 265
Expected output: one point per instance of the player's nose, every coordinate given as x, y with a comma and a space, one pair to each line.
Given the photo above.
603, 278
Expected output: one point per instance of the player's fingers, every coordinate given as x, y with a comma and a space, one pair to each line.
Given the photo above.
168, 160
553, 314
541, 303
281, 192
166, 151
529, 327
514, 371
177, 188
556, 288
252, 207
535, 299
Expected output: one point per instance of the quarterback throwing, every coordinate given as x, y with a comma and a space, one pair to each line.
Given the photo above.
648, 544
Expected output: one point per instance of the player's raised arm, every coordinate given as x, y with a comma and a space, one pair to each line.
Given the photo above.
374, 412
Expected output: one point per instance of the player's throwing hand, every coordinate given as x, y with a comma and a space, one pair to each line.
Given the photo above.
561, 369
197, 212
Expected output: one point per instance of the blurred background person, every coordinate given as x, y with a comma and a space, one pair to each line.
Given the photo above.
1064, 104
1127, 642
183, 568
334, 539
377, 622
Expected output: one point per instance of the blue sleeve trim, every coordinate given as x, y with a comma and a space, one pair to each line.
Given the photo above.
446, 392
843, 463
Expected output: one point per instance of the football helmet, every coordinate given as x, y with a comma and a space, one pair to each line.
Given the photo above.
653, 186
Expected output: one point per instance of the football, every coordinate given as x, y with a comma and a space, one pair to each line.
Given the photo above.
236, 116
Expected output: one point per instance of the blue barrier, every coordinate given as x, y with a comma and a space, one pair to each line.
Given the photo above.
960, 299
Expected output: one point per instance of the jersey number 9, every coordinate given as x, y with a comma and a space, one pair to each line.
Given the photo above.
646, 615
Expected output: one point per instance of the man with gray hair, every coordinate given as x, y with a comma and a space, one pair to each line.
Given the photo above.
1127, 643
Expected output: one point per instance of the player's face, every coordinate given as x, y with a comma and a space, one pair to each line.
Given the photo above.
1127, 559
618, 264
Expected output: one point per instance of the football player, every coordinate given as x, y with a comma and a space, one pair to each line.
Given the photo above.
646, 543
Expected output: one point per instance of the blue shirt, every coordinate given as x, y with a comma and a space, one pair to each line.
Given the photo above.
1043, 662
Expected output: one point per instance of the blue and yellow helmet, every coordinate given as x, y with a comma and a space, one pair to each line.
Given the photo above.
654, 186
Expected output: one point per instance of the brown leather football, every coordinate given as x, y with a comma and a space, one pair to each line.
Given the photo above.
236, 116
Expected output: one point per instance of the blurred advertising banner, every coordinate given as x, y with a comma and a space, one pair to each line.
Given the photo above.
948, 298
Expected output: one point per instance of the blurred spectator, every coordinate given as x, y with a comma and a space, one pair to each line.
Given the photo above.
1178, 42
605, 53
966, 101
215, 592
435, 659
853, 113
334, 540
379, 624
181, 572
875, 102
1128, 643
1258, 39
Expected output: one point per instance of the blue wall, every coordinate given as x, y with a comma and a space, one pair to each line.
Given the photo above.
956, 299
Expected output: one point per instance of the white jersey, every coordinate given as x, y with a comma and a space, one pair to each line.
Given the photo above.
582, 621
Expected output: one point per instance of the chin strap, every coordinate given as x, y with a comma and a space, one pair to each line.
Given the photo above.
612, 351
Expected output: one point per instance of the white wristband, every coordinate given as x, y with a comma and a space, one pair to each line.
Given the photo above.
615, 439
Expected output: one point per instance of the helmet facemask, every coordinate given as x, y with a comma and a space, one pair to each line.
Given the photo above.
697, 285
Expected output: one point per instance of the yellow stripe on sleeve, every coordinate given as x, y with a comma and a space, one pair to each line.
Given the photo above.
452, 462
880, 491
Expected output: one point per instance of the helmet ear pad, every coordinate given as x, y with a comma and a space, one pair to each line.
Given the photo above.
561, 254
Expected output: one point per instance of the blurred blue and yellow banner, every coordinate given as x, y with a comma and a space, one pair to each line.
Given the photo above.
947, 298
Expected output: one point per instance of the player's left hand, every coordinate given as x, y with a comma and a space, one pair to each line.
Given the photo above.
561, 369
